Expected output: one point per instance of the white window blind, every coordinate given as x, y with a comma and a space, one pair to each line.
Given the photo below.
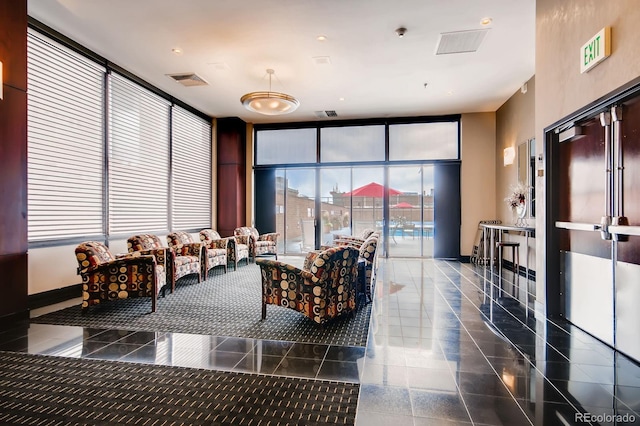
66, 138
138, 159
191, 171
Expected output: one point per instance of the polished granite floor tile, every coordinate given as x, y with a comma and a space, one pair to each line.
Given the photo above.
261, 364
445, 347
384, 399
342, 371
298, 367
439, 405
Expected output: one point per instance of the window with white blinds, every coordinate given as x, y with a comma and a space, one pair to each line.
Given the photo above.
83, 184
191, 171
65, 151
138, 159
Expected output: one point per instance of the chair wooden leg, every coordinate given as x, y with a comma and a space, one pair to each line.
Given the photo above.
153, 302
264, 310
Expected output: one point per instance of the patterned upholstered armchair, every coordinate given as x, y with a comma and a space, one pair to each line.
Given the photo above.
216, 250
258, 244
327, 290
148, 244
368, 264
356, 239
189, 255
106, 278
235, 250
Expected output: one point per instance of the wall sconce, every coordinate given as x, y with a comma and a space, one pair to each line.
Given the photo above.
509, 156
1, 80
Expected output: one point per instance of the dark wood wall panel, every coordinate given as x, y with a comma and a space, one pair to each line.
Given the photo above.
13, 170
13, 43
13, 160
231, 201
232, 185
629, 251
13, 281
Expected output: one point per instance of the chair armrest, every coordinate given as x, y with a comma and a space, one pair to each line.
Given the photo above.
270, 236
219, 244
189, 249
242, 239
125, 262
163, 255
347, 242
275, 268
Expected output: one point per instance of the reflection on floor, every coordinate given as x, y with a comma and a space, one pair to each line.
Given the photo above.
446, 347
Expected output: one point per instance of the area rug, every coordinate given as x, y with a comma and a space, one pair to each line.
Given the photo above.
47, 390
224, 305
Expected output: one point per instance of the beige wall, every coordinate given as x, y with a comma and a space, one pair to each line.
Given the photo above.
515, 125
562, 27
478, 174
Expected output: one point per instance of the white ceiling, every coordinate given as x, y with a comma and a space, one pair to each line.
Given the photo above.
231, 43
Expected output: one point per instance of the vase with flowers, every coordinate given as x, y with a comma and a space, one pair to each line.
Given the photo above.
517, 200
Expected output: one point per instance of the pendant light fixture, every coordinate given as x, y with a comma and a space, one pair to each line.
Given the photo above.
270, 103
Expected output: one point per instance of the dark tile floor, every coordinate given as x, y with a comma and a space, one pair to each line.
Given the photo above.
446, 347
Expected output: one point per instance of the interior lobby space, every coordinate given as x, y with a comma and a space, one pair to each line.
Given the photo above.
446, 345
292, 212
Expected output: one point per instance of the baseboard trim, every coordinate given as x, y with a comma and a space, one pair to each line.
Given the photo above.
522, 270
465, 259
58, 295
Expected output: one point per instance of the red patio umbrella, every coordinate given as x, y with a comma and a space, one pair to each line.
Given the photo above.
402, 205
372, 189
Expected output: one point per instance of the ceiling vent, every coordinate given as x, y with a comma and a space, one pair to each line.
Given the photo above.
460, 41
189, 79
325, 114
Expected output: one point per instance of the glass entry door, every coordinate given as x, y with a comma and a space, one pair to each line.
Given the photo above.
411, 224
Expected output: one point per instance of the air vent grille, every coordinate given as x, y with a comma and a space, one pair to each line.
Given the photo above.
460, 41
325, 114
189, 79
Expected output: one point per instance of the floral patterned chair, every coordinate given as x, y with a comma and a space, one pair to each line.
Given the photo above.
259, 244
368, 265
356, 239
235, 250
105, 277
189, 255
325, 291
216, 250
148, 244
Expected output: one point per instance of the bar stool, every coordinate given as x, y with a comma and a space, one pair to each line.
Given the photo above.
515, 256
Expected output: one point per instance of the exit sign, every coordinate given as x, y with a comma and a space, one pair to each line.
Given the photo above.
596, 50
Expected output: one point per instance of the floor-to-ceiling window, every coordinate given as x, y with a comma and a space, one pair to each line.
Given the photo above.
343, 178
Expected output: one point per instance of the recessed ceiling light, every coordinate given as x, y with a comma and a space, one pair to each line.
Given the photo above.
341, 99
486, 21
321, 38
177, 51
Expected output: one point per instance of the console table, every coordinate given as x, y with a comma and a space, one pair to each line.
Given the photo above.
493, 233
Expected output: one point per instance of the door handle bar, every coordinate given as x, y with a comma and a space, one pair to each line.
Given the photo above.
576, 226
625, 230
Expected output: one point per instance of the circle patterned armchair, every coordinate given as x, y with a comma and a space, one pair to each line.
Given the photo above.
105, 277
325, 291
